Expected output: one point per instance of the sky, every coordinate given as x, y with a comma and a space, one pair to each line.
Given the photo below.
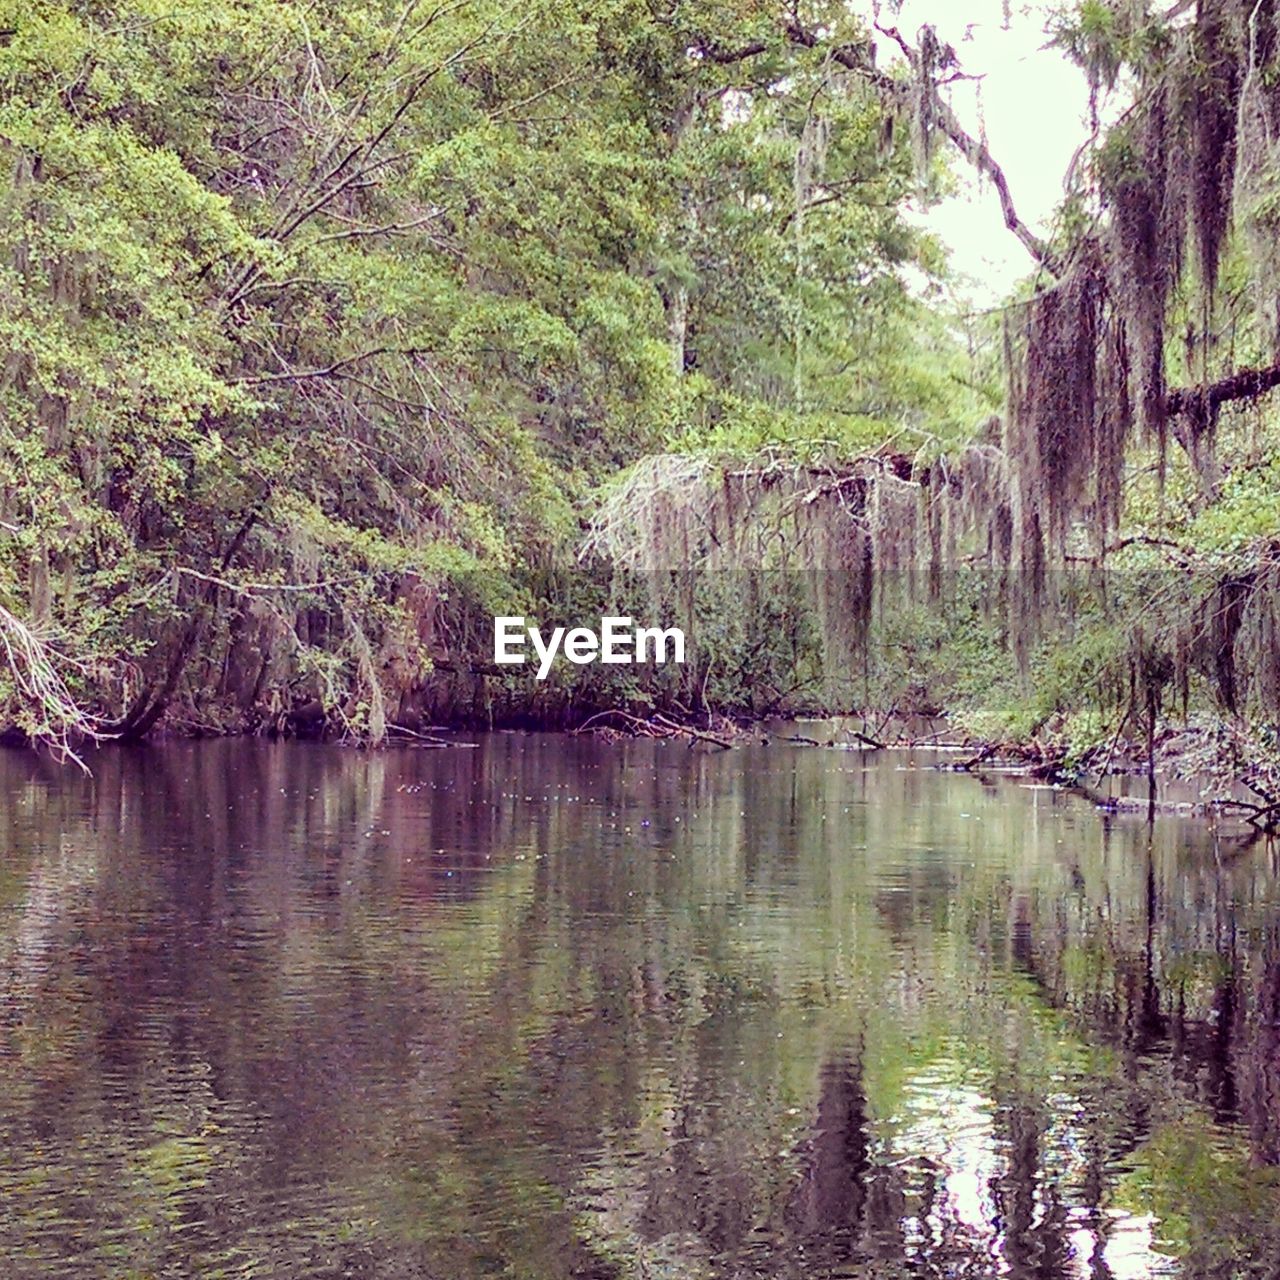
1034, 103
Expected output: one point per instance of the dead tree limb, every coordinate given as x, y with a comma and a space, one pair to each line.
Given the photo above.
659, 726
1244, 384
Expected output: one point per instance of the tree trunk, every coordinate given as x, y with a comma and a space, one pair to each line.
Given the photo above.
678, 327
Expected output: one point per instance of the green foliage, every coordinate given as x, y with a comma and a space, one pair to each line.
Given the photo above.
1216, 1211
1108, 37
324, 330
321, 327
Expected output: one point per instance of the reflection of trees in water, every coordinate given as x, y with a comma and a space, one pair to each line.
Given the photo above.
656, 989
702, 1191
1185, 974
1091, 935
219, 1028
1173, 961
827, 1209
850, 1205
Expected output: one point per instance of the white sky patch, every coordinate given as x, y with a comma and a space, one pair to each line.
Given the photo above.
1034, 104
948, 1121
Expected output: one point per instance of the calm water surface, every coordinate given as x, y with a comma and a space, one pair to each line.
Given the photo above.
551, 1008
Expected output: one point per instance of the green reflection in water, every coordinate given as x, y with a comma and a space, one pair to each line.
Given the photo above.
549, 1008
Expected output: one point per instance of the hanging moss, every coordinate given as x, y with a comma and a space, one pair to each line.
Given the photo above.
937, 525
1215, 628
1143, 257
1196, 158
1198, 144
1262, 642
1258, 164
1054, 416
1113, 418
1211, 108
838, 554
923, 113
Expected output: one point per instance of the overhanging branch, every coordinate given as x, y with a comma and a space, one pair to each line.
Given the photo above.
979, 156
858, 59
1244, 384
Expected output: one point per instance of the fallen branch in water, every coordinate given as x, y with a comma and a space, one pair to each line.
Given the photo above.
966, 766
35, 666
1266, 817
658, 726
699, 734
423, 739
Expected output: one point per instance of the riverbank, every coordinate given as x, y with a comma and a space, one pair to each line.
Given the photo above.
1215, 771
1211, 771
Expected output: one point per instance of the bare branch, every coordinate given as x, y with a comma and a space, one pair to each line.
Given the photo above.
976, 152
35, 665
390, 228
259, 588
330, 370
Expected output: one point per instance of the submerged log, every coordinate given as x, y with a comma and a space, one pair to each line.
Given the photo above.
658, 726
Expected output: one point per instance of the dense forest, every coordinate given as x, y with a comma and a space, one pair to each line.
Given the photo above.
332, 331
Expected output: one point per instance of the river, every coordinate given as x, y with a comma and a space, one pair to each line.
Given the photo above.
548, 1007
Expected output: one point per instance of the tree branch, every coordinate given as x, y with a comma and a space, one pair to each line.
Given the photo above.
329, 370
856, 58
713, 52
1244, 384
976, 152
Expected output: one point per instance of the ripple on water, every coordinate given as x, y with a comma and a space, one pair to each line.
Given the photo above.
554, 1009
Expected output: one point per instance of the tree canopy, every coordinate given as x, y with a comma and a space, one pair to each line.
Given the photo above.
330, 332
